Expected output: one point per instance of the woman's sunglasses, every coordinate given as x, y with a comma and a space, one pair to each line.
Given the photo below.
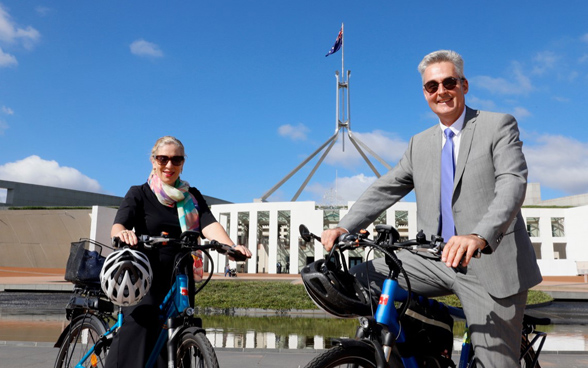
448, 83
175, 160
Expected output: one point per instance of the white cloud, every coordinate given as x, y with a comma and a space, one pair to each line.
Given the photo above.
35, 170
520, 113
341, 191
295, 133
518, 84
11, 33
145, 48
386, 145
584, 38
3, 127
42, 10
480, 104
561, 99
544, 61
7, 60
558, 162
7, 110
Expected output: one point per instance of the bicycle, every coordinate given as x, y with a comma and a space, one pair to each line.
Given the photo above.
86, 340
381, 338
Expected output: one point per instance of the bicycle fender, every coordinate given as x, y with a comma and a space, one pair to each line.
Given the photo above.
181, 331
62, 336
365, 344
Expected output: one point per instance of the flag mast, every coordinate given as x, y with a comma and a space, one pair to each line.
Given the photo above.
342, 125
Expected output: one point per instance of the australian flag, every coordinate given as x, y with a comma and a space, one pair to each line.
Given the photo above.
337, 44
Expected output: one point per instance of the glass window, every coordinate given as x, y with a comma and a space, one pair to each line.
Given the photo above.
401, 224
401, 218
559, 251
533, 226
262, 241
557, 227
330, 218
283, 265
3, 195
537, 248
243, 237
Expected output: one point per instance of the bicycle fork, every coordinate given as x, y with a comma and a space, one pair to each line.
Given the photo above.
387, 315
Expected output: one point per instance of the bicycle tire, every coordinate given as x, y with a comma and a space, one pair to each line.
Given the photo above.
527, 360
83, 335
195, 351
339, 356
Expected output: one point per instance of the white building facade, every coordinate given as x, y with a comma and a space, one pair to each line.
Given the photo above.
270, 230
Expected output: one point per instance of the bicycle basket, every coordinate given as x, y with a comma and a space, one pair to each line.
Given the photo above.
84, 265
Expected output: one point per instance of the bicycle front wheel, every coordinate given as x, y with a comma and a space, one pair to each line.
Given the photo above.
83, 335
344, 357
195, 351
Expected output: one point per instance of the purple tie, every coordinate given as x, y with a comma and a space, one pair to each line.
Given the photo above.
447, 174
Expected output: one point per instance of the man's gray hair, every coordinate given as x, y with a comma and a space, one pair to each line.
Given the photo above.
442, 56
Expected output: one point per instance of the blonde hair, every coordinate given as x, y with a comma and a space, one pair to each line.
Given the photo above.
168, 139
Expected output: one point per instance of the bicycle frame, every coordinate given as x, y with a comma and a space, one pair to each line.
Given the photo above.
174, 305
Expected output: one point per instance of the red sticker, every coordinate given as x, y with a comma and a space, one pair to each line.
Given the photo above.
384, 299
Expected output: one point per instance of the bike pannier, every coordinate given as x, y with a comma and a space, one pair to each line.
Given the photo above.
428, 328
83, 264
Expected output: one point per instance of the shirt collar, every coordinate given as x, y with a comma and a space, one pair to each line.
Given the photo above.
457, 126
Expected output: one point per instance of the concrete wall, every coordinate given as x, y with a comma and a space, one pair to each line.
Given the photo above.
40, 238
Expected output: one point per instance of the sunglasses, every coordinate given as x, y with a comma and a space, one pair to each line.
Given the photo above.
175, 160
448, 83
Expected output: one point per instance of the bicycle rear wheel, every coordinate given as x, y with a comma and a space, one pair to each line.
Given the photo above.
195, 351
529, 356
339, 356
83, 335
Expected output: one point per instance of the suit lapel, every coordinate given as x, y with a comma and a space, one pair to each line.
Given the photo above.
465, 144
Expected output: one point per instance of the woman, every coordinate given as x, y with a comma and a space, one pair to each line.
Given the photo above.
163, 204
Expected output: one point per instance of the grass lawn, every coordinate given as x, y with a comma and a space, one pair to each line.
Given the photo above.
281, 295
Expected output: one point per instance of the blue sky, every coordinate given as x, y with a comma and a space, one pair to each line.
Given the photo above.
86, 87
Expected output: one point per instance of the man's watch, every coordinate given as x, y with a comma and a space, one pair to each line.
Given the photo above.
487, 249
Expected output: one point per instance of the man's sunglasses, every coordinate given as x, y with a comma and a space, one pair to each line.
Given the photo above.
175, 160
448, 83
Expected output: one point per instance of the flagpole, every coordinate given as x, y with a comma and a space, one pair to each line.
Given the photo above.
342, 50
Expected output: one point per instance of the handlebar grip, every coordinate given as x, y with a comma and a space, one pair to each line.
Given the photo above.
237, 256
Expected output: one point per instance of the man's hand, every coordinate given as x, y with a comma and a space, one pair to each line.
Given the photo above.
461, 246
329, 237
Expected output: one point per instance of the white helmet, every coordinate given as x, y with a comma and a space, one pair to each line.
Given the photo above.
126, 276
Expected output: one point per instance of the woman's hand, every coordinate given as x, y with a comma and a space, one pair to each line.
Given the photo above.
125, 236
243, 250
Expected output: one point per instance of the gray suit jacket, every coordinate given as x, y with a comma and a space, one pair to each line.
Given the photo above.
490, 185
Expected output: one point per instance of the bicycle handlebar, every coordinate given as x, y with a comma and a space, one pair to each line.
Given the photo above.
386, 239
188, 240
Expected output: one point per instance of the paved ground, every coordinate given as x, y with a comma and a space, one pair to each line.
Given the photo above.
14, 355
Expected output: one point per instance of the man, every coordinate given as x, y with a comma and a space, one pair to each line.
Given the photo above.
486, 188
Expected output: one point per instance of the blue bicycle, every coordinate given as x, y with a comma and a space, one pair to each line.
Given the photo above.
406, 330
86, 340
